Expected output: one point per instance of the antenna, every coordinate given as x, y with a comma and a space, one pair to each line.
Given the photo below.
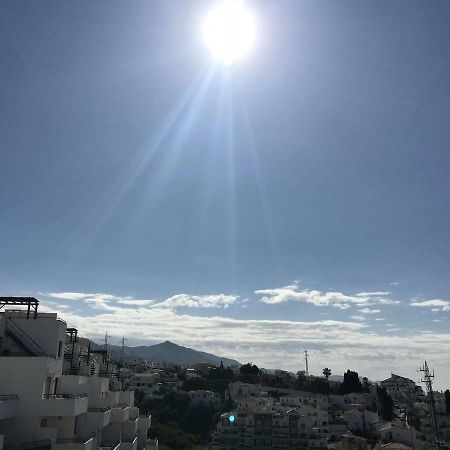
122, 350
306, 363
428, 380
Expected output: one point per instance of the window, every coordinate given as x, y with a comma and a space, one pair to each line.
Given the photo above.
59, 349
44, 422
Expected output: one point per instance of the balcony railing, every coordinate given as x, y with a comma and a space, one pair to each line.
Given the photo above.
73, 441
110, 445
64, 396
105, 409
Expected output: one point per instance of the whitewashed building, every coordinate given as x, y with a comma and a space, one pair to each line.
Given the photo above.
267, 430
54, 394
206, 398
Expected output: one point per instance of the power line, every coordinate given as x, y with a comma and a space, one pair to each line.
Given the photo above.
428, 380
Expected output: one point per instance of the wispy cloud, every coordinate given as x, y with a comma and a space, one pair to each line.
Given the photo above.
373, 294
357, 317
369, 311
111, 302
341, 305
136, 302
198, 301
437, 304
318, 298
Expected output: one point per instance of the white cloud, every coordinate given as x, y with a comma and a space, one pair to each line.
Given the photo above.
357, 317
388, 301
136, 302
373, 294
379, 319
443, 305
369, 311
339, 345
198, 301
318, 298
341, 305
68, 295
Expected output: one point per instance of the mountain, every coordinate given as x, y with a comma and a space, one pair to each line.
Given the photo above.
172, 353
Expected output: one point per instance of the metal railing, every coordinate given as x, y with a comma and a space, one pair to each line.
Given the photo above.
105, 409
64, 396
23, 340
74, 440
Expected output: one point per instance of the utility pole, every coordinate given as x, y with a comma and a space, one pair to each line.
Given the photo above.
105, 358
122, 350
306, 363
428, 380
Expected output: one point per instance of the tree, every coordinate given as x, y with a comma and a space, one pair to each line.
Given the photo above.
351, 383
250, 369
326, 372
301, 376
139, 397
447, 401
386, 404
366, 385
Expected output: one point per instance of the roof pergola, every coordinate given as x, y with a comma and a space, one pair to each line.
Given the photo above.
30, 302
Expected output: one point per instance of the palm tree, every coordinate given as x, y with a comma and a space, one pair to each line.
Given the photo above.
326, 372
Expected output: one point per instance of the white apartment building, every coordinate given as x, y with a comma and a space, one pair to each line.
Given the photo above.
402, 389
147, 382
399, 432
316, 409
54, 395
207, 398
318, 401
361, 420
267, 430
238, 390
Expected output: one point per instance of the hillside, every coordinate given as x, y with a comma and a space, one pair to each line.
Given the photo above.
172, 353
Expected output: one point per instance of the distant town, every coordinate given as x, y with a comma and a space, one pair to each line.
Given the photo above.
59, 390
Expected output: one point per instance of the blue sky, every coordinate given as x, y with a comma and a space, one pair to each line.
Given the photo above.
254, 198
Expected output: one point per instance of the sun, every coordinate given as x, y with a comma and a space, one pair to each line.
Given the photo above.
229, 31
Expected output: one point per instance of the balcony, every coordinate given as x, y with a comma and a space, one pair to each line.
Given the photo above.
120, 414
151, 444
129, 429
126, 397
110, 398
98, 417
144, 423
134, 412
63, 404
131, 445
74, 444
116, 445
8, 406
